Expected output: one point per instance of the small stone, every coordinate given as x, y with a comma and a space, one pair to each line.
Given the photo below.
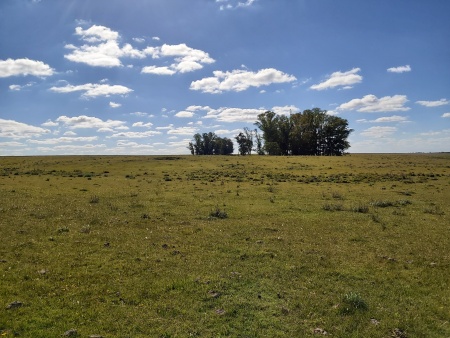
14, 305
374, 321
42, 272
220, 312
320, 331
70, 333
95, 336
106, 245
214, 294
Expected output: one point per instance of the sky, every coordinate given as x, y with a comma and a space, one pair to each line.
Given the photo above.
116, 77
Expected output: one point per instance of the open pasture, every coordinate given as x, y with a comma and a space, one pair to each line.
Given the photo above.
214, 246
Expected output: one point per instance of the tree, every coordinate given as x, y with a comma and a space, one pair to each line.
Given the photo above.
312, 132
245, 142
268, 124
210, 144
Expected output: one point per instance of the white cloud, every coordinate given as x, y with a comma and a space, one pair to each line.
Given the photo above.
441, 102
182, 131
228, 4
227, 132
88, 122
286, 110
388, 119
64, 140
158, 70
225, 114
18, 130
103, 48
187, 59
446, 115
156, 38
239, 80
139, 40
49, 123
379, 132
115, 105
94, 90
184, 114
400, 69
132, 134
24, 67
143, 125
372, 104
170, 126
70, 133
19, 87
344, 79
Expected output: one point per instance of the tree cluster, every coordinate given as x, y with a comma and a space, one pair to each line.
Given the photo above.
311, 132
210, 144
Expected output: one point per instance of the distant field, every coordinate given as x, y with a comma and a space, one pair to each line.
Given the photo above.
212, 246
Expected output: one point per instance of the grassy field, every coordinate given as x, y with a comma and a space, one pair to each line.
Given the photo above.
353, 246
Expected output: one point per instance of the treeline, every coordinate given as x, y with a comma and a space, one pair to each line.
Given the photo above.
311, 132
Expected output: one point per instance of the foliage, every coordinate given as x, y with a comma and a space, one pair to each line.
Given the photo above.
245, 142
210, 144
312, 132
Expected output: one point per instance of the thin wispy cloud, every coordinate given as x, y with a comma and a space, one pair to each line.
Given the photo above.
400, 69
438, 103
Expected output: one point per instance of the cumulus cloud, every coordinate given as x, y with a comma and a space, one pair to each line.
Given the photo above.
379, 132
372, 104
143, 125
24, 67
158, 70
445, 115
240, 80
88, 122
340, 79
184, 114
102, 48
186, 59
400, 69
94, 90
441, 102
18, 130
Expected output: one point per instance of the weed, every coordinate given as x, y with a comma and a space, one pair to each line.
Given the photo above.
333, 207
337, 195
351, 303
434, 210
362, 208
94, 199
217, 213
382, 204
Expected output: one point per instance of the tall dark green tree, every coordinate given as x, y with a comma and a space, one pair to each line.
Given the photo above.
245, 142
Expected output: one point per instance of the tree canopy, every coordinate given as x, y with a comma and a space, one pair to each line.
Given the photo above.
312, 132
210, 144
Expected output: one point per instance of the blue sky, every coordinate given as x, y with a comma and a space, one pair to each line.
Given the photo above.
143, 76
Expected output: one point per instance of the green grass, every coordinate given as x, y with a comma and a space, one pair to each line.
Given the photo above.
176, 246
